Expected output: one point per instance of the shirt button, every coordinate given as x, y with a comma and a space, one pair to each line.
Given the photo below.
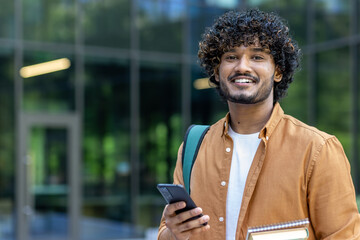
228, 149
221, 219
223, 183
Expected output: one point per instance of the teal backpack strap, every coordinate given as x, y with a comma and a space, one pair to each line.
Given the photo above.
192, 141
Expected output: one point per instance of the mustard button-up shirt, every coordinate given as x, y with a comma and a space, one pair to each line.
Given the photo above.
298, 172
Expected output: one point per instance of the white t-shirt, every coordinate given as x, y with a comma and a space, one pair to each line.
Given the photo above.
245, 146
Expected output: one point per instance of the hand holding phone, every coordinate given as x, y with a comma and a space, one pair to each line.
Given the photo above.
178, 225
173, 193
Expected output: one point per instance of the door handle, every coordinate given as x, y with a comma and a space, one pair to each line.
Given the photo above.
28, 211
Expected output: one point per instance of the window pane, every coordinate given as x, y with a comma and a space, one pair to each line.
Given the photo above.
356, 162
200, 18
226, 4
106, 23
293, 12
161, 134
7, 19
296, 101
48, 180
333, 96
358, 11
161, 25
51, 92
52, 21
106, 159
332, 19
207, 106
7, 145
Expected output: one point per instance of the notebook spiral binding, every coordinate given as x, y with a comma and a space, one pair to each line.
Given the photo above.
283, 225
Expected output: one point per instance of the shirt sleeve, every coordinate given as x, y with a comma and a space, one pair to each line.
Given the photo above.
331, 194
178, 179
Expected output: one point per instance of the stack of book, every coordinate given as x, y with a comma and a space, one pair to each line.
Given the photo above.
294, 230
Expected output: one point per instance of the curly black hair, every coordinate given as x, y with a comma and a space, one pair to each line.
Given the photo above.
235, 28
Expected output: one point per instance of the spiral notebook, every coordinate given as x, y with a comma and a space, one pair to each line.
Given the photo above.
294, 230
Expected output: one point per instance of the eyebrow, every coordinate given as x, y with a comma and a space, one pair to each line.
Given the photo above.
259, 49
231, 50
254, 49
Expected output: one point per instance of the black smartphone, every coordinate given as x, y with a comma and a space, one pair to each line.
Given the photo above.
173, 193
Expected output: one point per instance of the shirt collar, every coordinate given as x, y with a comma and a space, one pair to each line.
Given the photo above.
269, 127
226, 124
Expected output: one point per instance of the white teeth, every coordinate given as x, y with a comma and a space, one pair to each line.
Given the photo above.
243, 80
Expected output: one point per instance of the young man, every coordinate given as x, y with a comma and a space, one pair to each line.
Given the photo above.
258, 166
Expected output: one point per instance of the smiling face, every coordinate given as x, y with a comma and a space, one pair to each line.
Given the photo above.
246, 75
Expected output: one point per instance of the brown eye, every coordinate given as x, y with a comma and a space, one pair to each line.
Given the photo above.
257, 57
231, 57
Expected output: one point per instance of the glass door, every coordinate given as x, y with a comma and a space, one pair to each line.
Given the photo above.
48, 178
48, 183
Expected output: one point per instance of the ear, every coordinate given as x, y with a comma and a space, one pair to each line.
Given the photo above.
216, 75
277, 75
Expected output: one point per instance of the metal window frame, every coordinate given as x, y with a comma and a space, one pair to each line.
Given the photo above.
70, 121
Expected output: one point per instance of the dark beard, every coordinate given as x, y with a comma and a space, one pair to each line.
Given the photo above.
260, 96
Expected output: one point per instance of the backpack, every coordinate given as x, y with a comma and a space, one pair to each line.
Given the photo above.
192, 141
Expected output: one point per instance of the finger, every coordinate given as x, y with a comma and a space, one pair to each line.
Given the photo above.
171, 208
184, 230
184, 216
201, 229
195, 231
193, 224
204, 219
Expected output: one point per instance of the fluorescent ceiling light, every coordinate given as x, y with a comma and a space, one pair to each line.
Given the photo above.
44, 68
202, 83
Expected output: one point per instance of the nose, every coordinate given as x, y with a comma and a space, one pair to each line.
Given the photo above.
243, 65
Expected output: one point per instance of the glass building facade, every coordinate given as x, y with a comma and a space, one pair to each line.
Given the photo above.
82, 149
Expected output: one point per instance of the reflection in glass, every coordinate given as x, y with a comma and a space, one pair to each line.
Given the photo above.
161, 25
200, 18
355, 164
207, 106
52, 92
106, 159
292, 11
47, 203
160, 134
228, 4
296, 101
333, 98
7, 22
51, 21
358, 25
7, 145
332, 20
107, 23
